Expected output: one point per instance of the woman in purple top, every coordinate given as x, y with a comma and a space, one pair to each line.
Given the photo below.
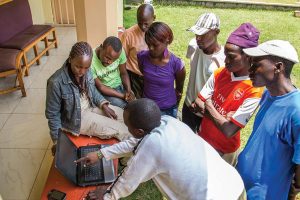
161, 68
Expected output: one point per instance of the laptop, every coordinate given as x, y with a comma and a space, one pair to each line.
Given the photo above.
79, 174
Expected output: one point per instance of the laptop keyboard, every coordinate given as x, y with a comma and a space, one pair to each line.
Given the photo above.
92, 172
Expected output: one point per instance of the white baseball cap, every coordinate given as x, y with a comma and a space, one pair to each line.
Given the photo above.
206, 22
279, 48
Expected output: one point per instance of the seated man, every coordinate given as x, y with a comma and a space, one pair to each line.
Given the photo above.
74, 104
110, 74
181, 164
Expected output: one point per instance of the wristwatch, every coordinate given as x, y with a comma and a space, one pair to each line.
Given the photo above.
100, 155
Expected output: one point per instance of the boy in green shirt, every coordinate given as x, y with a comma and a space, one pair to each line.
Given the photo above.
109, 72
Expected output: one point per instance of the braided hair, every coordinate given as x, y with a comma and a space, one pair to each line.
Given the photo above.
79, 49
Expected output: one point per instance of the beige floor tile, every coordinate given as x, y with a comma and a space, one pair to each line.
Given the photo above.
40, 82
70, 38
41, 179
25, 131
34, 72
6, 82
10, 81
62, 30
63, 49
19, 168
8, 102
54, 63
3, 118
50, 145
33, 103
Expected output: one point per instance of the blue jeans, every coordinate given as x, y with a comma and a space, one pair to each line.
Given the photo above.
170, 111
115, 100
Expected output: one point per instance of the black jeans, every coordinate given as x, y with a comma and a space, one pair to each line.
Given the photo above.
190, 119
137, 84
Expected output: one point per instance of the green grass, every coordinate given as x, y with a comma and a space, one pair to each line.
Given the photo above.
272, 25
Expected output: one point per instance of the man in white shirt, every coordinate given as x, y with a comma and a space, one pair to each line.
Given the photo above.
206, 55
181, 164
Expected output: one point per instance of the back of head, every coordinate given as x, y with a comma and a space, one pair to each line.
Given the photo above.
159, 31
81, 49
144, 10
114, 42
143, 114
245, 36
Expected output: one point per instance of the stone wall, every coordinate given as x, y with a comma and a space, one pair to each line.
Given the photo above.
232, 4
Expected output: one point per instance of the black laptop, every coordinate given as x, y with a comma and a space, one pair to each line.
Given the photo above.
79, 174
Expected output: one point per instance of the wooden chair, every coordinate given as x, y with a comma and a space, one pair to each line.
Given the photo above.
19, 32
10, 64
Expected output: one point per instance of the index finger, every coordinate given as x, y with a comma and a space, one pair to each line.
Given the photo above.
81, 159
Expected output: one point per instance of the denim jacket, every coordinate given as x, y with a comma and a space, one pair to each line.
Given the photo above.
63, 108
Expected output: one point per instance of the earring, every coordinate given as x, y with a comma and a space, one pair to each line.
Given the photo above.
166, 52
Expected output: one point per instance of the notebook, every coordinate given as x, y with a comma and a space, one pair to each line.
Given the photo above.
79, 174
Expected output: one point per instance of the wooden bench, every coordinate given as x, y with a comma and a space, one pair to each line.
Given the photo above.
10, 63
19, 32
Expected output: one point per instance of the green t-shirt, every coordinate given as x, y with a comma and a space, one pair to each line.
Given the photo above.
110, 75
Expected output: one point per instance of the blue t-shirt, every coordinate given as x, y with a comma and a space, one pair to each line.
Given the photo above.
268, 160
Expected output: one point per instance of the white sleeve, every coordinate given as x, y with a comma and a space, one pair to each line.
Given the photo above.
122, 149
191, 48
212, 67
245, 111
142, 167
208, 89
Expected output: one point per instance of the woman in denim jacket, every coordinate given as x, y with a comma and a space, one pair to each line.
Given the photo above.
74, 104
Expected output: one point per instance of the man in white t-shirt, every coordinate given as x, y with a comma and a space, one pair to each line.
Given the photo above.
206, 55
181, 164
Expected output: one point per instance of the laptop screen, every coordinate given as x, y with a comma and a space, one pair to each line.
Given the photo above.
66, 154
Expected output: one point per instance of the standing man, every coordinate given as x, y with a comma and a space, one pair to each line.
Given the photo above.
109, 72
272, 154
229, 90
206, 56
181, 164
133, 41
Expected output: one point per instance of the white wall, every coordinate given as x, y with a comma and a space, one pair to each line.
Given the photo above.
47, 11
37, 11
120, 13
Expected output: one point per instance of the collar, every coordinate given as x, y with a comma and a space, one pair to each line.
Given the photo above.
239, 78
65, 77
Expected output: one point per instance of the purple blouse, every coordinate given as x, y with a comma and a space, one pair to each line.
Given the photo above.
159, 80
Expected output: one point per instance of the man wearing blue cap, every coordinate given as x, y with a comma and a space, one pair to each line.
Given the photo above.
272, 155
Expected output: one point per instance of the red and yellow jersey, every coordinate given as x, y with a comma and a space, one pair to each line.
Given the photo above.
228, 93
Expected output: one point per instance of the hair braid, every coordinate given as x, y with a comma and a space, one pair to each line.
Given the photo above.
80, 49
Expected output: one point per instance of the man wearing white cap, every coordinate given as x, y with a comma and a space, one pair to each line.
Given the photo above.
207, 56
271, 157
